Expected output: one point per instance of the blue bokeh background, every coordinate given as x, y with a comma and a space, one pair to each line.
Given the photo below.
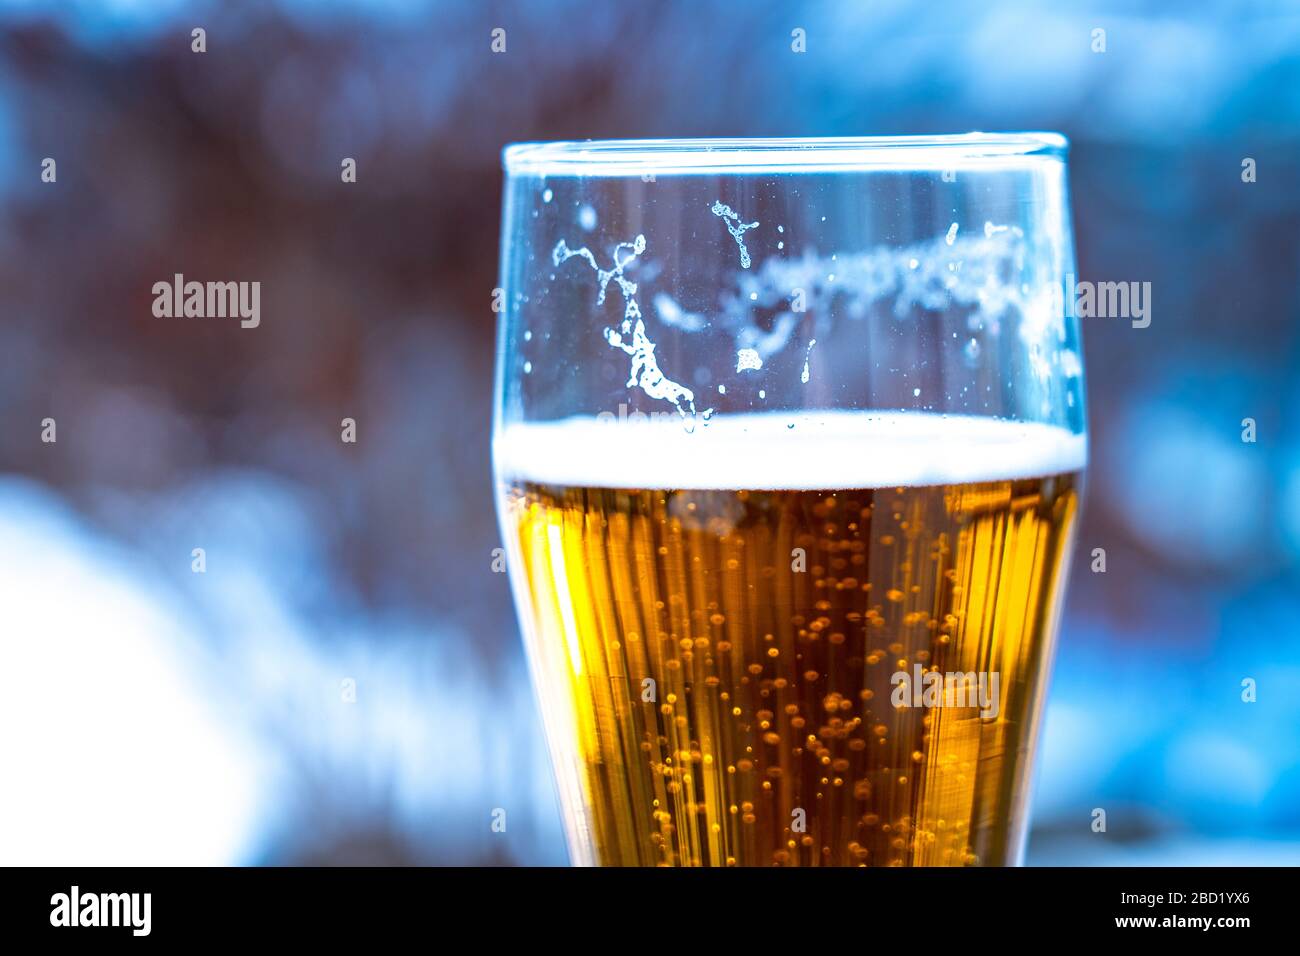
151, 714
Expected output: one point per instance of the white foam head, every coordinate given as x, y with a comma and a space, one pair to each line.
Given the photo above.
774, 450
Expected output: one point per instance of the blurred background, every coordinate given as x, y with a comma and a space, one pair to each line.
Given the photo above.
345, 683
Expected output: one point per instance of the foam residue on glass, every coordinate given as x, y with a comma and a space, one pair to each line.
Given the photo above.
969, 271
804, 375
645, 372
736, 228
934, 275
671, 313
747, 359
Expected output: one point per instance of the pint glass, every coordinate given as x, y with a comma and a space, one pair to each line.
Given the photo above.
788, 444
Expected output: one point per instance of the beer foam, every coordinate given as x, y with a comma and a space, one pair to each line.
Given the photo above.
786, 451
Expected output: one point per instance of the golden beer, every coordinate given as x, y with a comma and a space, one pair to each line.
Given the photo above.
718, 622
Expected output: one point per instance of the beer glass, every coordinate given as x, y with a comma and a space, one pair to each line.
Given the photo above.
788, 443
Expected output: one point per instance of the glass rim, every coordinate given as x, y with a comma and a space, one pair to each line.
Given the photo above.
620, 157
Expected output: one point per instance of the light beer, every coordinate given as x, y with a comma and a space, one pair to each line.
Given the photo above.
727, 626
